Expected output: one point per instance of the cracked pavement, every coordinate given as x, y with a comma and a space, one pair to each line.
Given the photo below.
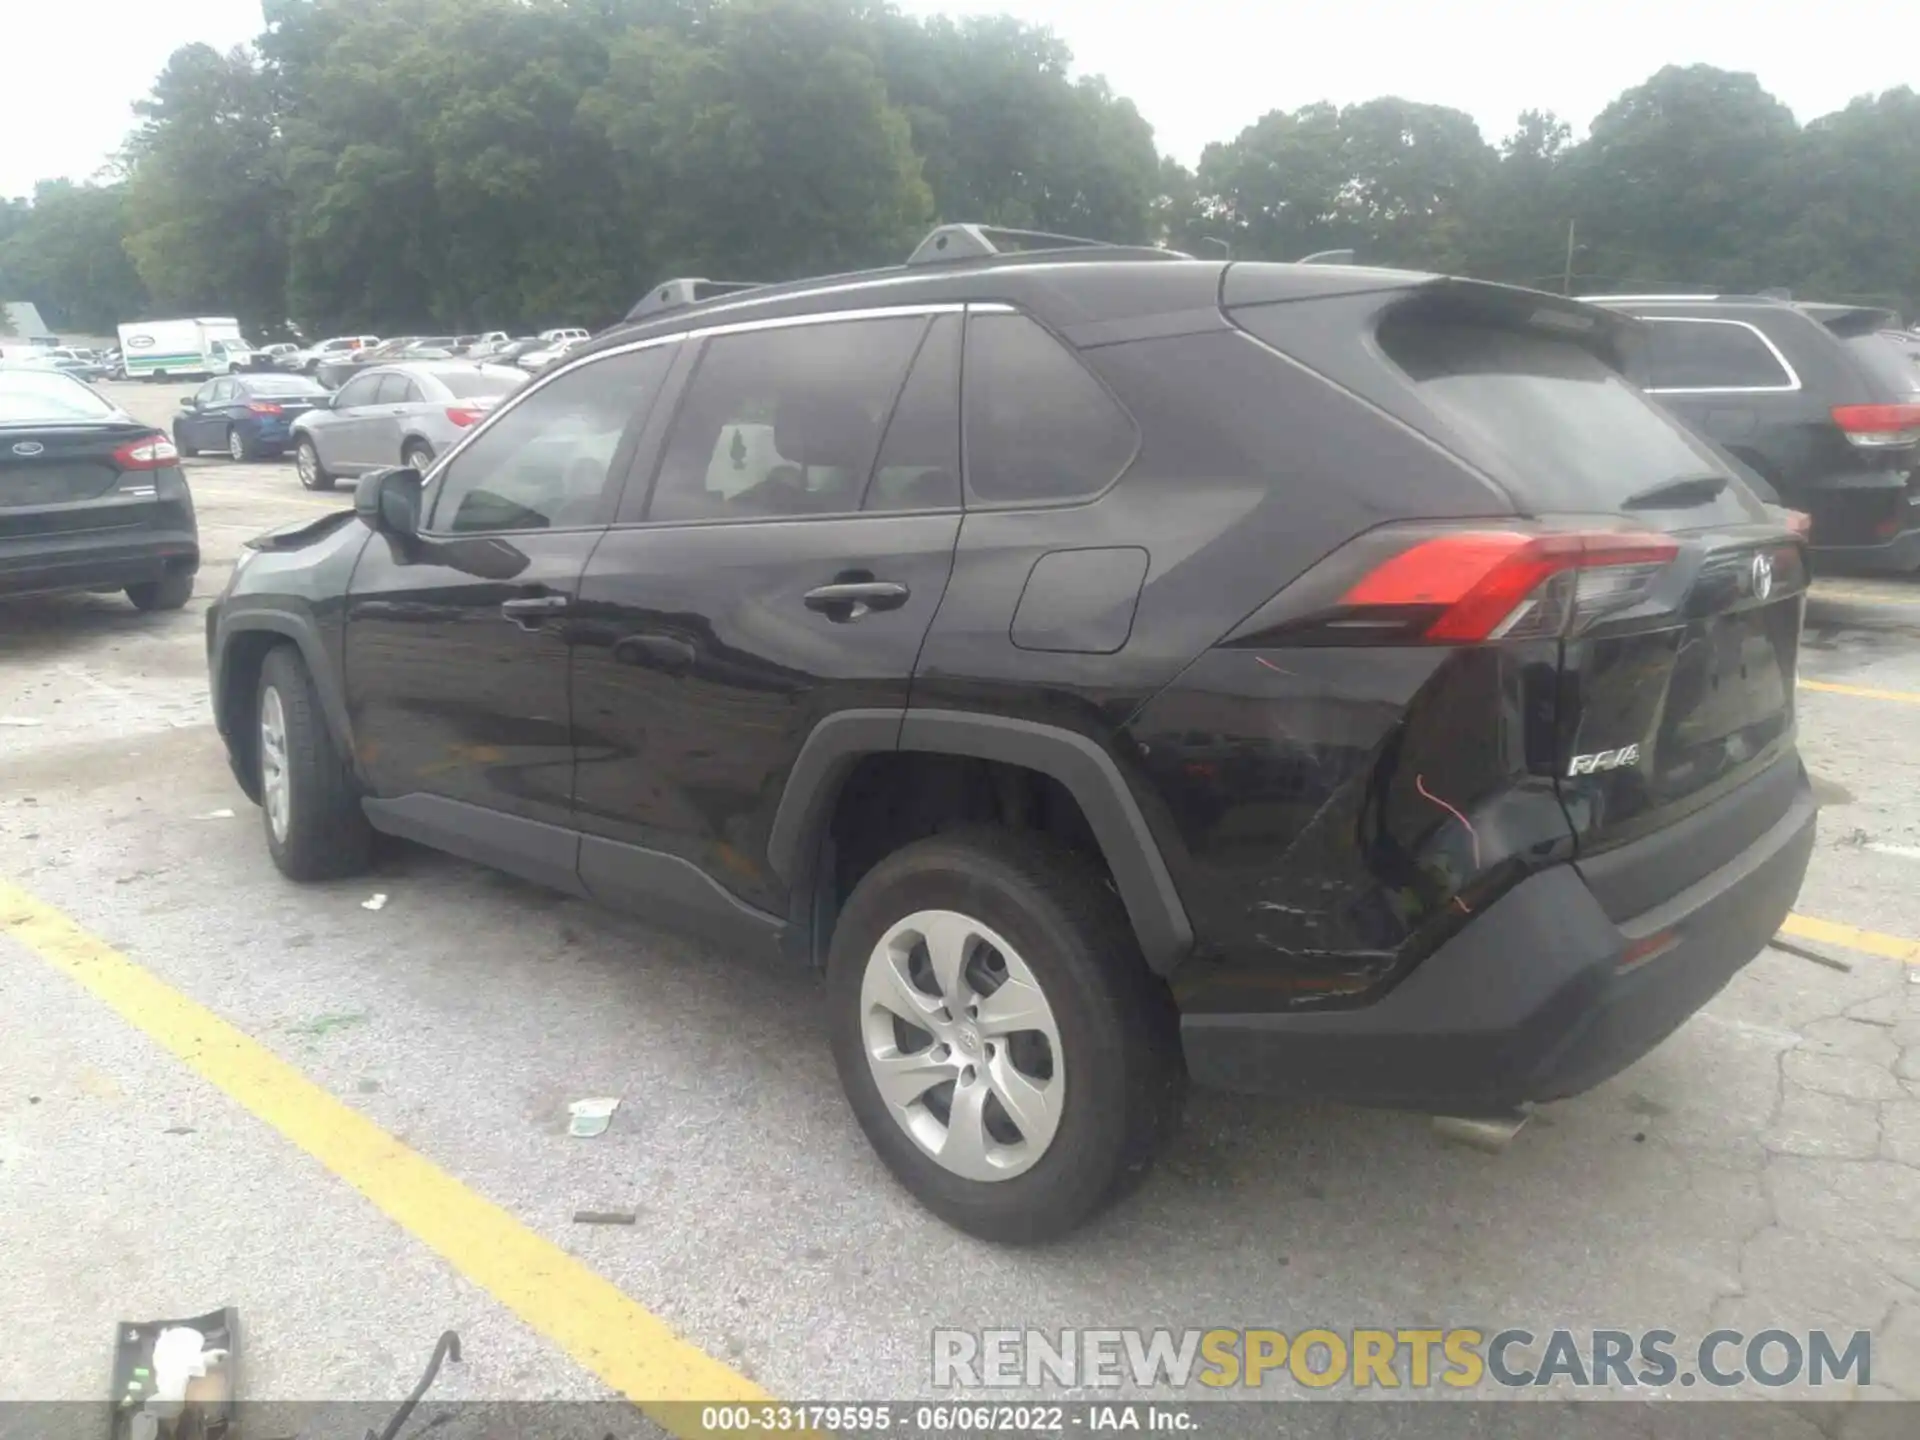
1760, 1170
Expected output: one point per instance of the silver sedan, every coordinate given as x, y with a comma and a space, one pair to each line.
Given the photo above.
401, 414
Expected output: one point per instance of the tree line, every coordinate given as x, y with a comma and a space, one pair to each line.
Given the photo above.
456, 164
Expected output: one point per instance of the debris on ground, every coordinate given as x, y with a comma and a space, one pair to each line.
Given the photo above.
216, 815
324, 1024
591, 1117
1814, 955
605, 1217
163, 1368
20, 720
375, 901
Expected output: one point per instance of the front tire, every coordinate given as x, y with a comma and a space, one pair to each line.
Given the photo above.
999, 1038
306, 460
187, 452
309, 800
168, 593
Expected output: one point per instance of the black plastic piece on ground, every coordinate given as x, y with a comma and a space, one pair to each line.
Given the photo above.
447, 1349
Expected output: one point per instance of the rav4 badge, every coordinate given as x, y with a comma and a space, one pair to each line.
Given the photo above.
1604, 760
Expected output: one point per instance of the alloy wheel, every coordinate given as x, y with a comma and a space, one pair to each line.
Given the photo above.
276, 786
963, 1045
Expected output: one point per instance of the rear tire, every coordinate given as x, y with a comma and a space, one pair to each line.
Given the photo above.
169, 593
309, 800
306, 459
1117, 1066
417, 456
239, 448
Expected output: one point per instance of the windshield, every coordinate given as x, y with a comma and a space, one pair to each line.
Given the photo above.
30, 395
284, 385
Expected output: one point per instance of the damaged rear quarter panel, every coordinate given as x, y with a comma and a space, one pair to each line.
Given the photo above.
1341, 812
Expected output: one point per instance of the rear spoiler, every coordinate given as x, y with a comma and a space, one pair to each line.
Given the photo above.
1851, 321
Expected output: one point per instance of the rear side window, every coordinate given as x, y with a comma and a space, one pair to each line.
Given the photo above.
1564, 430
1679, 354
1039, 426
785, 421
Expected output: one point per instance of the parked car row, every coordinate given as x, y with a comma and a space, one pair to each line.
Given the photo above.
336, 360
405, 413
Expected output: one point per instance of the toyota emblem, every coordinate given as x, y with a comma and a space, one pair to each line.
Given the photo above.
28, 447
1762, 576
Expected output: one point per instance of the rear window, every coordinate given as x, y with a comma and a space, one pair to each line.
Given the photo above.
285, 385
1887, 361
30, 395
472, 384
1563, 429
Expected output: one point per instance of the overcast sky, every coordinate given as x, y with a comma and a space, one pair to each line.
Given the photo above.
1199, 70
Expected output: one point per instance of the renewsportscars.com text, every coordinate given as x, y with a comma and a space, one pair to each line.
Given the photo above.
1410, 1359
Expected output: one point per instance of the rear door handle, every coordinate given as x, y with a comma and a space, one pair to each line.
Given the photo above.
527, 611
849, 600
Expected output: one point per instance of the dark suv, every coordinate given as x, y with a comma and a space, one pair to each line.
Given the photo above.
1109, 666
1820, 400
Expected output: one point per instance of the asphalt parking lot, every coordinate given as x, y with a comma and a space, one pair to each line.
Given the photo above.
372, 1148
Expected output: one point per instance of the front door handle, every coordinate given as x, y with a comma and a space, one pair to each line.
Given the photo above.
850, 599
527, 611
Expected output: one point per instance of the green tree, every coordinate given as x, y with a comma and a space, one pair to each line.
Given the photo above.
764, 147
63, 253
206, 205
1008, 138
1519, 233
1684, 178
1856, 228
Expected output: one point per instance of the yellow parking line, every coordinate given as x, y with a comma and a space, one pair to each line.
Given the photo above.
586, 1315
1861, 692
1862, 597
1849, 937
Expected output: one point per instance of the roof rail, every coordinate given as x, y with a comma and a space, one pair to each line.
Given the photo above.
672, 294
951, 243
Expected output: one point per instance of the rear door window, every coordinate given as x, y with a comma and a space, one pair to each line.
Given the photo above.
784, 421
1039, 426
919, 464
1687, 354
1563, 430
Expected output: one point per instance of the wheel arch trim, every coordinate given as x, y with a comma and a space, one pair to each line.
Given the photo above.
305, 635
1079, 763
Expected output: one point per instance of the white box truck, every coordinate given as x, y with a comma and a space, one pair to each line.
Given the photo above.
182, 349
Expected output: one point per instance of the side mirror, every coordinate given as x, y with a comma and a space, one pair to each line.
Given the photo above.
389, 501
187, 402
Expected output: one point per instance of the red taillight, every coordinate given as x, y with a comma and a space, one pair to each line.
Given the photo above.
1876, 427
263, 407
150, 452
1504, 584
464, 415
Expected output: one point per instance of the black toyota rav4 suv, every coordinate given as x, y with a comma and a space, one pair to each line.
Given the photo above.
1111, 667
